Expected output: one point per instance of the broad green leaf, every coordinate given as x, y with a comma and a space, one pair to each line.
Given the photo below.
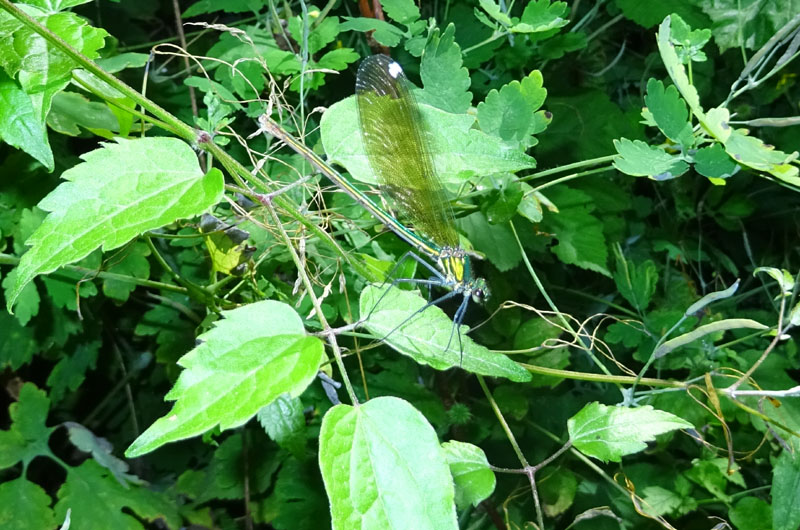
24, 505
648, 14
121, 190
101, 451
641, 160
54, 6
511, 113
27, 300
473, 478
713, 474
18, 343
36, 63
636, 283
752, 152
608, 433
424, 336
97, 501
751, 513
496, 242
122, 61
285, 423
502, 202
71, 110
669, 112
786, 491
581, 241
28, 436
714, 162
747, 23
132, 262
248, 359
402, 11
383, 467
458, 150
445, 80
558, 491
204, 7
384, 33
298, 500
540, 16
20, 125
70, 371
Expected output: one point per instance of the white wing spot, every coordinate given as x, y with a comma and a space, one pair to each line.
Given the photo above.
395, 69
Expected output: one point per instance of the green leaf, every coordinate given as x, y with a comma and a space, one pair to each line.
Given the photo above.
100, 449
511, 113
495, 241
502, 203
558, 46
132, 262
669, 112
54, 6
27, 300
558, 492
97, 500
383, 467
70, 371
690, 41
751, 513
473, 478
298, 500
785, 492
71, 110
285, 423
747, 23
204, 7
636, 283
648, 14
24, 505
28, 436
425, 335
458, 150
120, 191
609, 433
641, 160
20, 125
752, 152
384, 33
540, 16
714, 162
494, 10
676, 70
239, 368
445, 80
402, 11
581, 241
17, 342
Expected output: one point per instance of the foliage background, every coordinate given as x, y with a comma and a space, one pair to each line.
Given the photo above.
88, 358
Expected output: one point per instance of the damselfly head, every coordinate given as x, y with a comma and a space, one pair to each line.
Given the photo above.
479, 291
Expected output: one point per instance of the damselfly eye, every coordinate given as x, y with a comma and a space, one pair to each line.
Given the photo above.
479, 295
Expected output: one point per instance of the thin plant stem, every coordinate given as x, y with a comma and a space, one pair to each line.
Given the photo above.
301, 271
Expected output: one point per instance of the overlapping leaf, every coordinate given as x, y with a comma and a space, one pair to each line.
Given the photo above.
257, 353
120, 191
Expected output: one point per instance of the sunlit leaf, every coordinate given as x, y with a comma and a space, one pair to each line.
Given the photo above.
383, 467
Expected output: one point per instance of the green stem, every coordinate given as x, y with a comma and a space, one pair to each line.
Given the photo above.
7, 259
573, 176
569, 167
337, 353
552, 305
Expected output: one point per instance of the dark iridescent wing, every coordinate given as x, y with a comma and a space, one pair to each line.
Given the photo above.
397, 149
